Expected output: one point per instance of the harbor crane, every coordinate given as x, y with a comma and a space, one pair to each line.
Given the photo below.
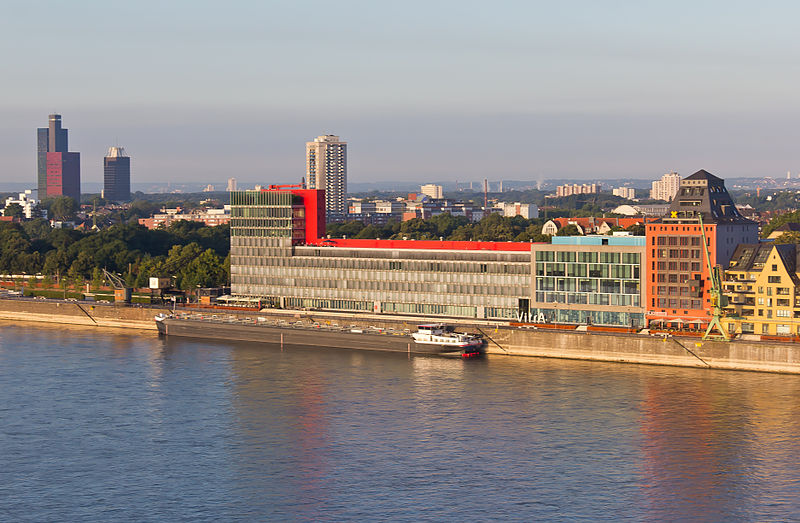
122, 293
718, 299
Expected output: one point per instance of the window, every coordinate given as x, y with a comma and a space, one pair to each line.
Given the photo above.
774, 268
773, 279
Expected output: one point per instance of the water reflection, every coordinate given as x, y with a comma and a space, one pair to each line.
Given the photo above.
710, 437
229, 431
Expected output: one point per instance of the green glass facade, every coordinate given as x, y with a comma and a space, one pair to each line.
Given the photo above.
596, 284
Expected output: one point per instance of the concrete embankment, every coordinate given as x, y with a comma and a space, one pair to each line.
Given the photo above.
79, 313
502, 339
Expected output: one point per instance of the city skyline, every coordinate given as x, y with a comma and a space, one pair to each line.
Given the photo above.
519, 90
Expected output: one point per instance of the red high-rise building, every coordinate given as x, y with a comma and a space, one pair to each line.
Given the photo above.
59, 171
678, 281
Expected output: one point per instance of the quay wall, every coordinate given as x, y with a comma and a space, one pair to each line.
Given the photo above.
79, 313
501, 339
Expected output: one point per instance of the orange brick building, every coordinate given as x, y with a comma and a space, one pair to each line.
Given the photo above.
678, 281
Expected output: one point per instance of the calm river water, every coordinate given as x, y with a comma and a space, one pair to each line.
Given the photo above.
109, 426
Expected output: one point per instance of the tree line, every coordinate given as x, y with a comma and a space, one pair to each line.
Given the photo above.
190, 252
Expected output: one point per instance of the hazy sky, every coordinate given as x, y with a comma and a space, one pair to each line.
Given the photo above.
421, 90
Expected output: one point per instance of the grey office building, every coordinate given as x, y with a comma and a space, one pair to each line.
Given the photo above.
117, 175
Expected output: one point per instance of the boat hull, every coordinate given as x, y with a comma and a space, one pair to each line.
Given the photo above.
293, 336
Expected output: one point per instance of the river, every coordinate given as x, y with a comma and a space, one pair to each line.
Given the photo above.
109, 425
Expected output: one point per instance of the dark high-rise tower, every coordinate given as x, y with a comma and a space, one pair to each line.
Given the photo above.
58, 171
117, 175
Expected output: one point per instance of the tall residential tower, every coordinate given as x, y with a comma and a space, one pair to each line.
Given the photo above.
117, 175
326, 168
58, 171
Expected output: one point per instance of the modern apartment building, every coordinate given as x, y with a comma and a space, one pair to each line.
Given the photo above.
58, 171
117, 175
678, 281
763, 287
666, 188
326, 169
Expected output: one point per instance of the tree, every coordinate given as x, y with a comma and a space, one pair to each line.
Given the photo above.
206, 270
789, 237
14, 210
63, 208
569, 230
637, 229
789, 217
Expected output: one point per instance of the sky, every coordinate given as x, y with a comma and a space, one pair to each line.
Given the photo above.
200, 91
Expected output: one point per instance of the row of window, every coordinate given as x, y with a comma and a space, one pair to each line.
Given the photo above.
613, 318
676, 303
264, 212
456, 289
582, 270
631, 258
676, 240
677, 253
617, 300
381, 265
588, 285
678, 266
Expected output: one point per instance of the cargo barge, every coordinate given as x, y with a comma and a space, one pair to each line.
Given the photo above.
258, 329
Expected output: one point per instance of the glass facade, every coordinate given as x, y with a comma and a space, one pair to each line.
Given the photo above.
266, 214
583, 283
623, 319
588, 278
469, 284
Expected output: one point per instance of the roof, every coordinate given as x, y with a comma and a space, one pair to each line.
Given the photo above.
447, 245
591, 223
750, 256
704, 194
116, 152
702, 174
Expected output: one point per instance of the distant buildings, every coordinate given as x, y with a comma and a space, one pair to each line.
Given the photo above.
209, 217
209, 188
625, 192
58, 171
666, 188
326, 168
569, 190
231, 185
28, 204
526, 210
434, 191
117, 175
644, 210
590, 225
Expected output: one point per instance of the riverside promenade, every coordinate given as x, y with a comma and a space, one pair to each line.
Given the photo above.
502, 339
